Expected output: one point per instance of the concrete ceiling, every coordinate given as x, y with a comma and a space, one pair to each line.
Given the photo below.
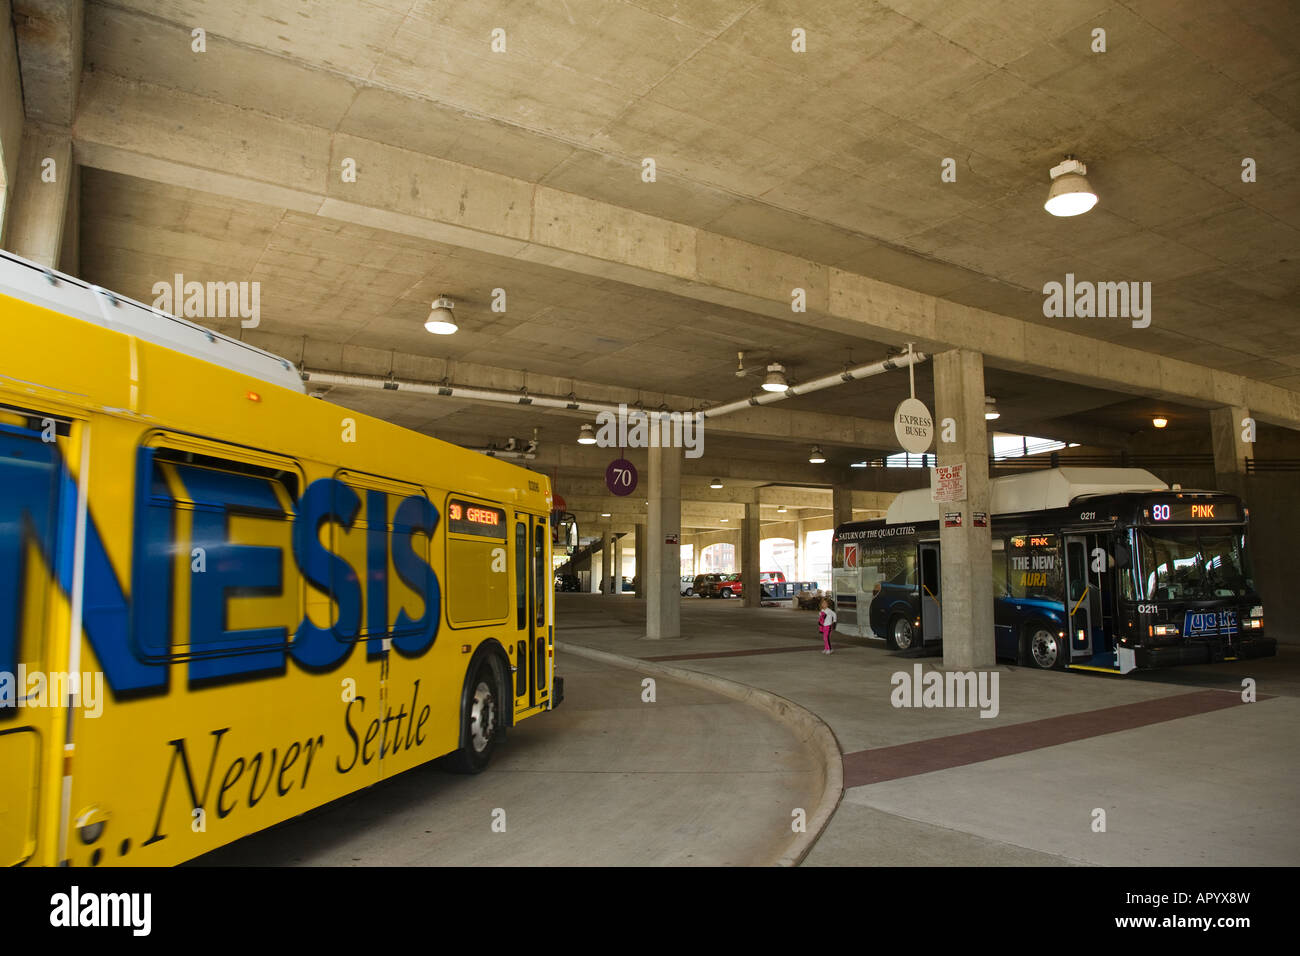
832, 154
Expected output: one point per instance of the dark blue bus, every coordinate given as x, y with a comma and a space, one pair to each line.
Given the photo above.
1093, 569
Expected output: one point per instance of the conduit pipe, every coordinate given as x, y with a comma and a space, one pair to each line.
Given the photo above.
359, 380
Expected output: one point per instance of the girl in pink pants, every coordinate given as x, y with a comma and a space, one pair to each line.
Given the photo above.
826, 623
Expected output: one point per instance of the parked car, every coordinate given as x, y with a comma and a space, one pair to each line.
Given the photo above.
728, 586
702, 582
688, 585
567, 582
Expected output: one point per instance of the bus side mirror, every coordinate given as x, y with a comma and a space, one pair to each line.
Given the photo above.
1123, 556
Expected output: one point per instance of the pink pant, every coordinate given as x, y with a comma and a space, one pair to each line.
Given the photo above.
826, 636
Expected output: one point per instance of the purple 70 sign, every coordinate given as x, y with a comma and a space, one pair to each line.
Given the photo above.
620, 477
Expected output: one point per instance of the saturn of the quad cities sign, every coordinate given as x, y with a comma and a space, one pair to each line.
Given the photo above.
913, 425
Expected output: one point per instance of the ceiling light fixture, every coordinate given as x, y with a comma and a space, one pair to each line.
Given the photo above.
587, 435
1069, 194
726, 519
817, 458
441, 321
780, 509
715, 483
1160, 422
775, 381
604, 514
991, 409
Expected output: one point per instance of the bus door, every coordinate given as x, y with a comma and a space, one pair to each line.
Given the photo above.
931, 611
38, 518
1082, 594
541, 632
528, 540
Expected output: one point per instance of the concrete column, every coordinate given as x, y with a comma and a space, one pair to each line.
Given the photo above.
842, 504
750, 562
40, 200
966, 584
800, 574
606, 561
617, 561
663, 605
1226, 429
11, 116
638, 551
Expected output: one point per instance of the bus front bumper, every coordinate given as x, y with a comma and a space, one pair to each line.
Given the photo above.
1205, 652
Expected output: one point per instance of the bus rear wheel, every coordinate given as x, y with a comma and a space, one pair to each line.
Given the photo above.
481, 722
902, 635
1043, 648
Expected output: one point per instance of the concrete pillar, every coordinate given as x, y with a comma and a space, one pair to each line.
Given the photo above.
606, 561
11, 115
39, 200
663, 605
966, 569
842, 504
638, 552
750, 562
800, 552
618, 566
1226, 430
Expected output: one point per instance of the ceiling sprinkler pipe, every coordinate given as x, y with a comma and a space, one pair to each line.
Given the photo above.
358, 380
817, 384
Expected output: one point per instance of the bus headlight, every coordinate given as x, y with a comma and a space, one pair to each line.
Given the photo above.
1163, 630
1254, 624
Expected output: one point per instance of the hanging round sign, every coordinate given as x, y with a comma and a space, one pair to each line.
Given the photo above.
913, 425
620, 477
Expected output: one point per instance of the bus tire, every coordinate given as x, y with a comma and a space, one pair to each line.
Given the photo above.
901, 635
1042, 647
481, 720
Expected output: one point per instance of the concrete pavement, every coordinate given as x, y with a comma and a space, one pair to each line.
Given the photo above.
606, 779
1184, 772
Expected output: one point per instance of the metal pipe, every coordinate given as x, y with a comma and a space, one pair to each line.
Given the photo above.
358, 380
817, 384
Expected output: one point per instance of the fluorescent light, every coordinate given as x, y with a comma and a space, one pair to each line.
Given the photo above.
817, 458
1070, 194
858, 464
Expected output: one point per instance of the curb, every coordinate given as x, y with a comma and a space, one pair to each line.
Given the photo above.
807, 726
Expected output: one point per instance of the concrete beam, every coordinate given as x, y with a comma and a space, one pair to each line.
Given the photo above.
50, 34
128, 127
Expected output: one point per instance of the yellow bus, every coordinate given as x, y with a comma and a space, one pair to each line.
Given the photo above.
224, 602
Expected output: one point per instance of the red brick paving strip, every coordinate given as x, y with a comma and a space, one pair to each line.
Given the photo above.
763, 650
940, 753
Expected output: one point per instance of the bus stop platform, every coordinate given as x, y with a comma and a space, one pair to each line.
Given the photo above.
1160, 768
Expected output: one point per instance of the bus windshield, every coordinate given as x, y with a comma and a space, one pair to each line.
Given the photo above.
1195, 563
